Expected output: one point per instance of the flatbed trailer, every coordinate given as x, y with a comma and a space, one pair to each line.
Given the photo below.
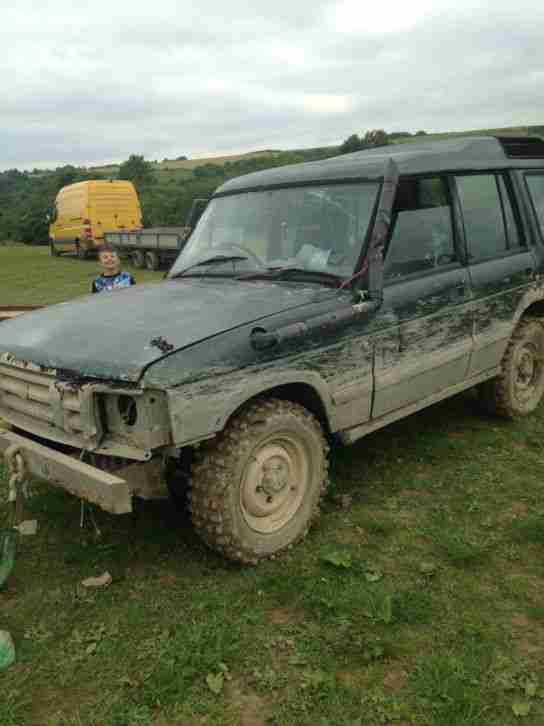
156, 247
152, 248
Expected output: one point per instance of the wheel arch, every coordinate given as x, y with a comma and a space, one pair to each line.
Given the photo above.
535, 310
531, 303
198, 414
302, 393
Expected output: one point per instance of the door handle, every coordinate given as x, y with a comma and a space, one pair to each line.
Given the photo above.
459, 290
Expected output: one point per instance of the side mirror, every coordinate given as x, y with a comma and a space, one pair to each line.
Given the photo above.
197, 207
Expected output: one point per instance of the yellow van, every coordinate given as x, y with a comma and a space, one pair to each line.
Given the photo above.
84, 211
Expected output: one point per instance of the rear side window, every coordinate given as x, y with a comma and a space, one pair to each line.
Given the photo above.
535, 182
422, 236
490, 224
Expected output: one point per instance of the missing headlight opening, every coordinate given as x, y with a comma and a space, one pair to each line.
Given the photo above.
128, 410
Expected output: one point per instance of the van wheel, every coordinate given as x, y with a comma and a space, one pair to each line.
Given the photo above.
152, 261
256, 489
518, 389
137, 258
81, 252
53, 251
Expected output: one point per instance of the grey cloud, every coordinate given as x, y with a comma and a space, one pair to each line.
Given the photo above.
83, 87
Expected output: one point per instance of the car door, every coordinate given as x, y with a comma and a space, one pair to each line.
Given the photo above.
501, 265
426, 349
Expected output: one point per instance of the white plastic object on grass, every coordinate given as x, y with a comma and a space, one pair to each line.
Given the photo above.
7, 650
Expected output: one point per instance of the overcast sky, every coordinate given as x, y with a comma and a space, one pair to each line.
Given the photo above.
94, 82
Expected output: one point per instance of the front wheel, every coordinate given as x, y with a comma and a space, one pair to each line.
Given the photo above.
518, 389
257, 488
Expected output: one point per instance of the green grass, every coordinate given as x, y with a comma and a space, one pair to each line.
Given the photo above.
29, 276
189, 164
415, 601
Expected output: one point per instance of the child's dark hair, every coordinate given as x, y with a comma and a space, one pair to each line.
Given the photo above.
107, 248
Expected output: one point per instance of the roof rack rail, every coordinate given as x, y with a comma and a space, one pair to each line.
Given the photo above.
522, 147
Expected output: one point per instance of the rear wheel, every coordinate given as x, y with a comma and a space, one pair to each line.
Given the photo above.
53, 250
152, 260
137, 257
256, 489
518, 389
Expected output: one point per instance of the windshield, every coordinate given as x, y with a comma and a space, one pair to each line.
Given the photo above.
317, 228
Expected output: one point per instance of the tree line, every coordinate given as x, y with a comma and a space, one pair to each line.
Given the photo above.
165, 197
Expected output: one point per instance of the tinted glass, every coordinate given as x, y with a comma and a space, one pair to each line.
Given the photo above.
422, 237
535, 182
482, 216
318, 228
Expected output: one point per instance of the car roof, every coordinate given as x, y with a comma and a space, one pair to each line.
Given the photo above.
462, 153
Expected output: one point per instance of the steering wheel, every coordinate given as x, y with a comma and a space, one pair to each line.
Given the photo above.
245, 252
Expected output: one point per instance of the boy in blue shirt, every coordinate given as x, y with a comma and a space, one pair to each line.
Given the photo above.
112, 277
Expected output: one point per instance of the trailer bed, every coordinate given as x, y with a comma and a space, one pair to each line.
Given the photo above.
151, 248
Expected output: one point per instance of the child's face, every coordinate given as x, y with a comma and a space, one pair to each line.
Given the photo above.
109, 261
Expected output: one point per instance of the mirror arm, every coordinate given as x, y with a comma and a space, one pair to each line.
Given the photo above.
380, 233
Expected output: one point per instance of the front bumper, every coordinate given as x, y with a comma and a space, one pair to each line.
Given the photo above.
109, 492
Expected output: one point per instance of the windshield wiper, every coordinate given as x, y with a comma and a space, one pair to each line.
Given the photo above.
210, 261
285, 273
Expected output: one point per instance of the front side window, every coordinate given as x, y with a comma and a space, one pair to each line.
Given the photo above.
490, 224
535, 182
319, 228
422, 234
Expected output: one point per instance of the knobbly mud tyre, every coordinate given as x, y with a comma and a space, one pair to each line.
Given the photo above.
256, 489
519, 388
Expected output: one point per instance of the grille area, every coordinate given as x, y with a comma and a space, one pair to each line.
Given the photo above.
39, 397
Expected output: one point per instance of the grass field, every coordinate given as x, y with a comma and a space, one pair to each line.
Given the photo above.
416, 601
189, 164
29, 276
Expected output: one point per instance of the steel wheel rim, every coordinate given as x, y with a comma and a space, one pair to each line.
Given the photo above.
528, 371
274, 483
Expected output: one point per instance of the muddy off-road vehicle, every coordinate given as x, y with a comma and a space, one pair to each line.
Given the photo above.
312, 301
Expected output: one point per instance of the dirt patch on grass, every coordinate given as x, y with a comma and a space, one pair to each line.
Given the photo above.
531, 635
518, 510
414, 493
350, 679
8, 599
520, 621
528, 647
407, 517
351, 536
395, 680
283, 616
252, 708
426, 471
168, 580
